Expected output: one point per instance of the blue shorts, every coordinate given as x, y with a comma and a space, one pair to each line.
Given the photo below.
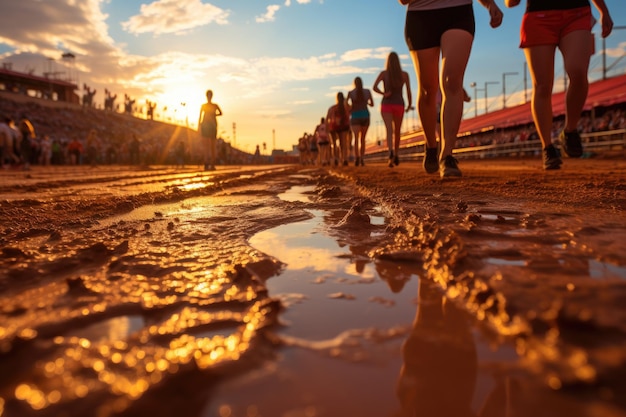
360, 118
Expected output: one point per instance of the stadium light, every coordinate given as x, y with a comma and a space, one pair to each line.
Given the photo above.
504, 86
604, 51
486, 84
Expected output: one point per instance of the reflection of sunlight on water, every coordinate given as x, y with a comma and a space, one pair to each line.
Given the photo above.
501, 261
188, 207
195, 186
495, 217
347, 323
334, 294
111, 330
377, 220
297, 245
603, 270
297, 193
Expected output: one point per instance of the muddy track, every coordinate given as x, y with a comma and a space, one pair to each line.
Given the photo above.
542, 267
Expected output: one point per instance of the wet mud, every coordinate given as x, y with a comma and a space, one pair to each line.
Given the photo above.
299, 291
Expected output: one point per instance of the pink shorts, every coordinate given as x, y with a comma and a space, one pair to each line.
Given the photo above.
547, 27
395, 109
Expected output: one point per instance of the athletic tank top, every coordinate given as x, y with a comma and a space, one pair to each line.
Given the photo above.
539, 5
436, 4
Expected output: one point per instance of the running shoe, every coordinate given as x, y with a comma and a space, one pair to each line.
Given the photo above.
571, 143
431, 160
396, 160
449, 167
551, 158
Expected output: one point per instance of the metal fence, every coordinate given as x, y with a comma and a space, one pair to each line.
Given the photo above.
593, 143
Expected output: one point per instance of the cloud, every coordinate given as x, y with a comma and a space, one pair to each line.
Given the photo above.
618, 52
288, 2
270, 14
246, 84
174, 16
366, 53
54, 26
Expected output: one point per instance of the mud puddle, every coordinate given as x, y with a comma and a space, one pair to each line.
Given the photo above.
183, 285
362, 337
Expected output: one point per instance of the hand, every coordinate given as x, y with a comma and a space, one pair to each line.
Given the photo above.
496, 15
607, 25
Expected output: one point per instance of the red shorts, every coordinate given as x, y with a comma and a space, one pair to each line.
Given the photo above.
547, 27
395, 109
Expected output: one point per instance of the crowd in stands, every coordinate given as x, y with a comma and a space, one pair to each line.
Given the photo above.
605, 119
75, 134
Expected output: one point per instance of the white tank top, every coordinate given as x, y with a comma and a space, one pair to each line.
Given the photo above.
436, 4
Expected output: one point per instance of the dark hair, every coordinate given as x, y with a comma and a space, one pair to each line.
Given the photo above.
358, 83
394, 71
340, 104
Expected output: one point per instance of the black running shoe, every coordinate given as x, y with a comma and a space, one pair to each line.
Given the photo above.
396, 160
571, 143
551, 158
449, 167
431, 160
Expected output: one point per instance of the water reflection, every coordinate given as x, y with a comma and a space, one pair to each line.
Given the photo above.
395, 274
111, 330
325, 280
302, 246
440, 370
297, 193
598, 270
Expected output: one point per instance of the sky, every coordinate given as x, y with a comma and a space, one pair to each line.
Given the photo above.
275, 66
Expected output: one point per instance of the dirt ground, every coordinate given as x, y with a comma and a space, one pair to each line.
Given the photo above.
537, 258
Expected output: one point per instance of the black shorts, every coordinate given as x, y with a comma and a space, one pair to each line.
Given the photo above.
423, 28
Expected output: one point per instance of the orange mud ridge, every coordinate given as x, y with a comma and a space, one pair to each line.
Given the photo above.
538, 257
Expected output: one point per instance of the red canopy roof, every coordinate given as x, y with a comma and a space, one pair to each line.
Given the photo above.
601, 94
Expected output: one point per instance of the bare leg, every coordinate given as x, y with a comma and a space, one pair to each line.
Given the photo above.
576, 50
355, 134
334, 151
397, 126
455, 51
541, 64
344, 142
426, 64
364, 130
388, 119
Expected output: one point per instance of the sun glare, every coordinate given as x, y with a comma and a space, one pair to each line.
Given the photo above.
180, 106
